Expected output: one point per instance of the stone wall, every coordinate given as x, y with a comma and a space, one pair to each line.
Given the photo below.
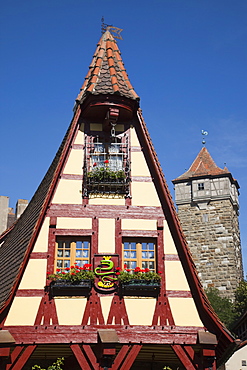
213, 236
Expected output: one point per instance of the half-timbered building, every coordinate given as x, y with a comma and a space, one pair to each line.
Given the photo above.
104, 206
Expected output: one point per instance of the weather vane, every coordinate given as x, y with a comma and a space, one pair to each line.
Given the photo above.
204, 133
115, 31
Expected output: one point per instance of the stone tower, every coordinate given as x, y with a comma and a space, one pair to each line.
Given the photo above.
208, 208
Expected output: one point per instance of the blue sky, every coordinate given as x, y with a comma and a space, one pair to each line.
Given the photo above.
186, 60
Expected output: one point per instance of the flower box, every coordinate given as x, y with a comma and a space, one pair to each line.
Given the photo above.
140, 287
70, 288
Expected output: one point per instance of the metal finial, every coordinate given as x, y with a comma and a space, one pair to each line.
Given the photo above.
115, 31
204, 133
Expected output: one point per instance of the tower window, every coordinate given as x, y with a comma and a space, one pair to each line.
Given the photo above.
201, 186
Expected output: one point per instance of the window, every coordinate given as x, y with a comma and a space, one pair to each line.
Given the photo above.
106, 166
139, 253
107, 155
244, 363
201, 186
70, 251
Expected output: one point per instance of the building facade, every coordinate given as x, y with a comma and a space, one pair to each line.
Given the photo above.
208, 208
97, 269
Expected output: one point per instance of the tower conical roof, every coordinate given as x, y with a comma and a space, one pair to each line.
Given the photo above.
107, 74
203, 165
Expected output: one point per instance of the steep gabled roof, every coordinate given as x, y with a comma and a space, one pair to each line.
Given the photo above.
19, 241
203, 165
107, 74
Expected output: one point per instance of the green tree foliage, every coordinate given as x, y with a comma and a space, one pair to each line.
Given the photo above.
227, 311
223, 307
240, 305
55, 366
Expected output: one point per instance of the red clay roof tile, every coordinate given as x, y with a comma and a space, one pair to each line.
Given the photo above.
203, 165
107, 74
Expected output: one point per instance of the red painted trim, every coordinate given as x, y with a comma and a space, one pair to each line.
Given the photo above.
171, 257
93, 311
120, 357
128, 202
183, 357
91, 356
139, 233
46, 312
14, 355
74, 232
30, 293
79, 355
94, 238
162, 313
4, 352
23, 358
51, 250
131, 356
136, 149
118, 313
78, 146
38, 255
118, 239
179, 293
141, 179
67, 176
103, 211
45, 334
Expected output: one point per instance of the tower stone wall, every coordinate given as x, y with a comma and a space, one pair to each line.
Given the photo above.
208, 208
214, 239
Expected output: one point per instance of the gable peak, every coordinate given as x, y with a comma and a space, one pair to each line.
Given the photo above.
203, 165
107, 74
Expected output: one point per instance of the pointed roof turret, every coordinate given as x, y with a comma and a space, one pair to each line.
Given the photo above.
203, 165
107, 74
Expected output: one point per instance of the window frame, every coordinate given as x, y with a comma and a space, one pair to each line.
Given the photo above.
139, 260
73, 259
200, 186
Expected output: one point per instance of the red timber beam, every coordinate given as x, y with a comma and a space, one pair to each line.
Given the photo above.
118, 312
85, 356
88, 361
51, 334
130, 358
162, 313
184, 357
20, 356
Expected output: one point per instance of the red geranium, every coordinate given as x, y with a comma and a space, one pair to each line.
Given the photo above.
95, 164
106, 161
